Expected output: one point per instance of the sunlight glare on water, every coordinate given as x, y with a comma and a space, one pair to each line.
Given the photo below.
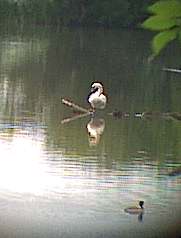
21, 161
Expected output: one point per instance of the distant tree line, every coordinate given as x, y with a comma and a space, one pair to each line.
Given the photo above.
107, 13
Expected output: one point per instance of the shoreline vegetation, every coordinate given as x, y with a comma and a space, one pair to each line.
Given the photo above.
74, 13
161, 17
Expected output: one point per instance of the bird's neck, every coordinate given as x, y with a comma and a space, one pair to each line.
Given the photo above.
98, 92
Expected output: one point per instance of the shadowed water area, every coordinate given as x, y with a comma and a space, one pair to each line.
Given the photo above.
56, 180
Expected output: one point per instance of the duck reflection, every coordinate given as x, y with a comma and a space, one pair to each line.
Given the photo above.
140, 216
95, 128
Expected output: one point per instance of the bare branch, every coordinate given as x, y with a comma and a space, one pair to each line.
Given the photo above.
75, 106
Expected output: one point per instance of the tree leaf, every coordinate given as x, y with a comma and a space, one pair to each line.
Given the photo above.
158, 23
162, 39
169, 8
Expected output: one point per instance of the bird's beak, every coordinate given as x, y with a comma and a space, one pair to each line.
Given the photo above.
92, 89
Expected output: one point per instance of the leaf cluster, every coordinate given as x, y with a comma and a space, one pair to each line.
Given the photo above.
166, 19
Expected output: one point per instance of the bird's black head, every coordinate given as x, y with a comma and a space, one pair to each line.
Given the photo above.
141, 203
94, 89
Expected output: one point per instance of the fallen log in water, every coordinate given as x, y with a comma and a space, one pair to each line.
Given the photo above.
147, 115
82, 112
119, 114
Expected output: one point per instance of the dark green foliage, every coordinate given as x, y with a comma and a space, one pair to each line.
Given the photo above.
119, 13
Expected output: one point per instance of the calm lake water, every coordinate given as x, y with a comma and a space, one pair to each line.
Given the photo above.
56, 180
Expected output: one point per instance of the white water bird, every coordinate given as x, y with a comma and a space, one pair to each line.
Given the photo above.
96, 98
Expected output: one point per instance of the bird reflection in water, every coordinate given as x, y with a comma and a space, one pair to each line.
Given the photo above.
95, 129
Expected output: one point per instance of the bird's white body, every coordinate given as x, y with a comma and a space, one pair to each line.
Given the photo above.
96, 98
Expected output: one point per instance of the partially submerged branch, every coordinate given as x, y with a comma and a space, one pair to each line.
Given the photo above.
75, 106
147, 115
83, 112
